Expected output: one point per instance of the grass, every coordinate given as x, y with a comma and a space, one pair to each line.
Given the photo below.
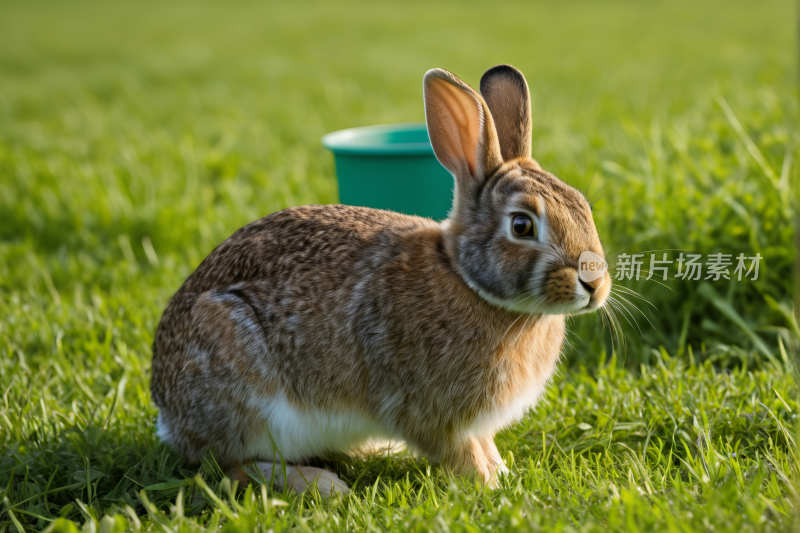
680, 445
134, 138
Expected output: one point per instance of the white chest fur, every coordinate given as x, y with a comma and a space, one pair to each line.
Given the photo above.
308, 432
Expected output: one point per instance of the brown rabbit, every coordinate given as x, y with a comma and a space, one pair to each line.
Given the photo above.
316, 328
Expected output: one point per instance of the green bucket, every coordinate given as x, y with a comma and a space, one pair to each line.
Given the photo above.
391, 167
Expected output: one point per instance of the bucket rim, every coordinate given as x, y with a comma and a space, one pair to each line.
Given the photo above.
345, 142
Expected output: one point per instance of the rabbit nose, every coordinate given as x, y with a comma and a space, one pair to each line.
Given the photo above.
593, 285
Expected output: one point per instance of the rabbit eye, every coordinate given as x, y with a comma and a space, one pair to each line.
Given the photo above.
523, 226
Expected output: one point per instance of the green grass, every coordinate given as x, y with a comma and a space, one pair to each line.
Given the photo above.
136, 137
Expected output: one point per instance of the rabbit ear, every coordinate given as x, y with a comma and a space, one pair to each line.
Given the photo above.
506, 93
460, 127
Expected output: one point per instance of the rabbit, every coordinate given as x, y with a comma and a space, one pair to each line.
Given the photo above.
319, 327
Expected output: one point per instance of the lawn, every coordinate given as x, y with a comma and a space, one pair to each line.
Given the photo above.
135, 137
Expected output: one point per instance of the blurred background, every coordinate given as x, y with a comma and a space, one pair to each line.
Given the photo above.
135, 137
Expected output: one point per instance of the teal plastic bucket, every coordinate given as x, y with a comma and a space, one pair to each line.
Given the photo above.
391, 167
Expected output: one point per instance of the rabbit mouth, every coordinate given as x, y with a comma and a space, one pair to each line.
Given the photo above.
590, 307
594, 302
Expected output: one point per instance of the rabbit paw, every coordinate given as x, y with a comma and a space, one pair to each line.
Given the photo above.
300, 478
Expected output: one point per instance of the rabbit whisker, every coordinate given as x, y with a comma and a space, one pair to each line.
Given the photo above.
625, 314
630, 292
